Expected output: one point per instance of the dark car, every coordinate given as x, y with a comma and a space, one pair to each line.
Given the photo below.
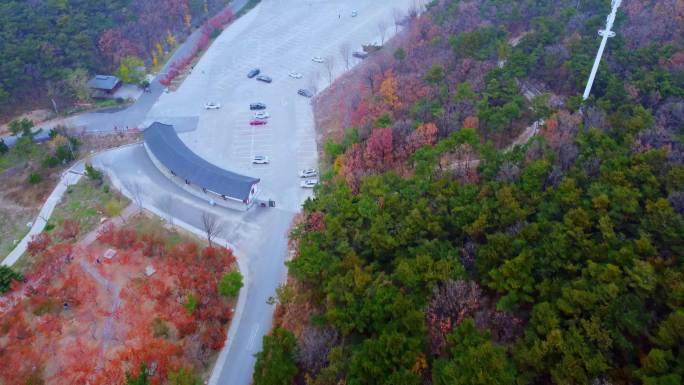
264, 78
360, 54
253, 73
306, 93
257, 106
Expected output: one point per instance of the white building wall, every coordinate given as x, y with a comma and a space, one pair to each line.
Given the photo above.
197, 190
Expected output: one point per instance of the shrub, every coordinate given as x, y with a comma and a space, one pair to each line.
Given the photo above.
275, 363
92, 173
191, 304
140, 379
34, 178
106, 234
113, 207
184, 377
7, 275
159, 328
70, 229
38, 244
50, 162
230, 284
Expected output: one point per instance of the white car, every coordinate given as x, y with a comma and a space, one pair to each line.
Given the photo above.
212, 106
260, 159
308, 173
309, 183
317, 59
295, 75
354, 13
261, 115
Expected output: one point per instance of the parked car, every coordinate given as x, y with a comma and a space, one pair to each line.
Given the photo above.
304, 92
264, 78
309, 183
257, 106
254, 72
354, 13
262, 115
258, 122
308, 173
317, 59
166, 90
295, 75
360, 54
260, 159
212, 106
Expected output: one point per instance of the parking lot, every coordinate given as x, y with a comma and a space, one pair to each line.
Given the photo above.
278, 37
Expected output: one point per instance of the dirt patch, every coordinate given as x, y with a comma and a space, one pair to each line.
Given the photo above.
101, 142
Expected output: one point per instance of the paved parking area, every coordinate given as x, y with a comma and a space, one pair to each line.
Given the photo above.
277, 37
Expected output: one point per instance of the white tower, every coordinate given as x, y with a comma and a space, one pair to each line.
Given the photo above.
606, 33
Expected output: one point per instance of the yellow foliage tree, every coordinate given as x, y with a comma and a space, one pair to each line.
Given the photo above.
155, 61
170, 40
388, 91
160, 49
57, 141
339, 162
188, 19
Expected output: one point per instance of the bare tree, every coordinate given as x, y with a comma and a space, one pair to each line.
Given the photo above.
329, 67
345, 52
212, 226
398, 16
136, 191
313, 81
382, 28
369, 73
414, 10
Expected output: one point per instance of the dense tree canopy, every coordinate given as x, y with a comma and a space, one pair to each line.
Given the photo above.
44, 43
454, 258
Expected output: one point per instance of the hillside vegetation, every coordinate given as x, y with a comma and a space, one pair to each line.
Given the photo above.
435, 254
48, 48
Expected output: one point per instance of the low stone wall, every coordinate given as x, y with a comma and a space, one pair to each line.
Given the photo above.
196, 190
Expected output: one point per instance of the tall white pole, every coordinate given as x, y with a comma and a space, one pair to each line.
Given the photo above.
606, 33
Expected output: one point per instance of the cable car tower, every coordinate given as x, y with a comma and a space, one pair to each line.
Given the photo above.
606, 33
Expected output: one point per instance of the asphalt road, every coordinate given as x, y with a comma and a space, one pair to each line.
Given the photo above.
278, 37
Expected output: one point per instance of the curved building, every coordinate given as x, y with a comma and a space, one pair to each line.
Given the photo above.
195, 174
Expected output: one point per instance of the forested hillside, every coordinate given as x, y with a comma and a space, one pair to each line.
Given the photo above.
45, 45
435, 253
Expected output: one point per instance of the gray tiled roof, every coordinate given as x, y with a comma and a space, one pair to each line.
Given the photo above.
103, 82
166, 146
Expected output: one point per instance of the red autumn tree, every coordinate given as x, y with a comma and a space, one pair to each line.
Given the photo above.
70, 229
38, 244
379, 149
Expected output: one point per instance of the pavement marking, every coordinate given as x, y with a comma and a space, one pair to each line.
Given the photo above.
252, 337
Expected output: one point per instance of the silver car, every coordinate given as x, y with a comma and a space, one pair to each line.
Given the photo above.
308, 173
309, 183
260, 159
